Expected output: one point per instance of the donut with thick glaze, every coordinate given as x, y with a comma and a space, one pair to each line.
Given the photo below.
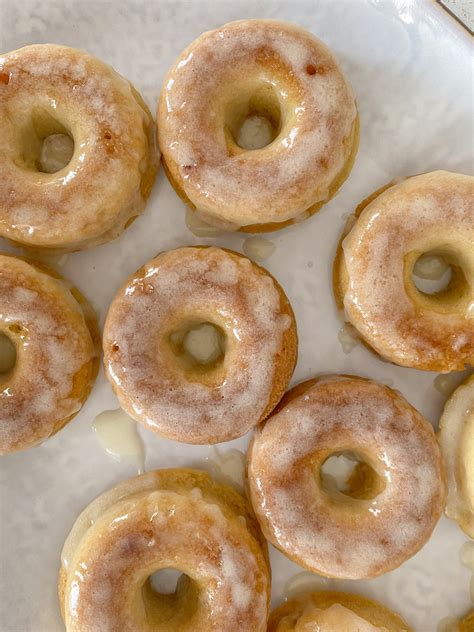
56, 340
394, 496
372, 275
47, 90
177, 519
270, 69
159, 385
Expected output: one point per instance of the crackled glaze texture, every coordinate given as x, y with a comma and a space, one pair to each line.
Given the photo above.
186, 286
317, 529
54, 333
46, 88
426, 213
237, 69
166, 518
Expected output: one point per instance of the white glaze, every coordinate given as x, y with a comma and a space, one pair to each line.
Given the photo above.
118, 435
227, 466
456, 437
214, 286
53, 344
293, 509
303, 583
258, 248
132, 528
100, 190
199, 227
466, 555
426, 211
348, 337
230, 64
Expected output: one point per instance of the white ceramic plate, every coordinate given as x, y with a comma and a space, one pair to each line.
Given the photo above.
408, 62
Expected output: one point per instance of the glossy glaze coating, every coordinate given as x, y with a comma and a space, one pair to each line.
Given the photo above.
55, 334
456, 437
329, 532
175, 290
165, 519
429, 213
48, 89
247, 67
334, 612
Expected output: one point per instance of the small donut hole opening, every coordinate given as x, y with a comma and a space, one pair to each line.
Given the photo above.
199, 345
7, 357
253, 122
47, 145
431, 273
170, 597
439, 276
347, 474
165, 581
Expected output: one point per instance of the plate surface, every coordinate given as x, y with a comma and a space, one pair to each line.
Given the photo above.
408, 62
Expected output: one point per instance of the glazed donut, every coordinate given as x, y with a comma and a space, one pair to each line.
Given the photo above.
456, 437
428, 213
159, 384
271, 74
393, 498
48, 90
165, 519
55, 336
334, 612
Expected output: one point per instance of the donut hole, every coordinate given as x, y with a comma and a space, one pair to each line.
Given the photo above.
438, 277
170, 596
165, 581
347, 474
7, 357
47, 145
255, 120
199, 346
431, 273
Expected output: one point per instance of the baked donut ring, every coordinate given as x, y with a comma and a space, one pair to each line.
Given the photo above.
56, 340
456, 438
163, 519
159, 384
334, 612
47, 90
399, 480
273, 72
428, 213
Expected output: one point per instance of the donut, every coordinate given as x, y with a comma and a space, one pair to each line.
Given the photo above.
178, 518
391, 230
392, 500
456, 438
235, 81
59, 94
204, 291
467, 624
334, 612
53, 333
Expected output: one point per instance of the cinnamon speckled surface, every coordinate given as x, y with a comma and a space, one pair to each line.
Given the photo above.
408, 63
